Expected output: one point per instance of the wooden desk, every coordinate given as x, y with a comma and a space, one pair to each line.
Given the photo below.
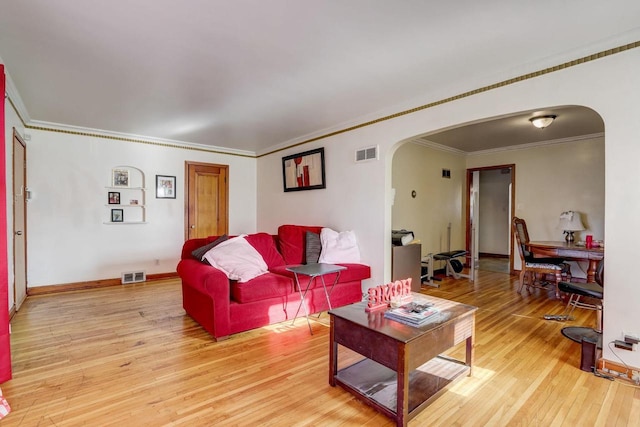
402, 371
569, 251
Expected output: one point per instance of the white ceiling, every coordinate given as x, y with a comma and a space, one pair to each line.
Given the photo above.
255, 75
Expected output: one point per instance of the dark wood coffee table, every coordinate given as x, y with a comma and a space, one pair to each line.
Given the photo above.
403, 370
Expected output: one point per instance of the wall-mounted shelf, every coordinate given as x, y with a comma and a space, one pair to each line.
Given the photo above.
127, 188
126, 197
125, 223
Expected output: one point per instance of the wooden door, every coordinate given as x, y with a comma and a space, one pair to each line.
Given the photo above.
207, 200
19, 220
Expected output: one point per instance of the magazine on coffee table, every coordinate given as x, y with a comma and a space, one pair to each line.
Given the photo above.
412, 314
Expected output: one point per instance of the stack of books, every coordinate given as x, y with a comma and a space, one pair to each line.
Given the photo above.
412, 314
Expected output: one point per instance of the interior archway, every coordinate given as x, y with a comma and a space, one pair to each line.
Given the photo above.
561, 168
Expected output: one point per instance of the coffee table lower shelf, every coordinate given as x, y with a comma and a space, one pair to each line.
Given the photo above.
376, 385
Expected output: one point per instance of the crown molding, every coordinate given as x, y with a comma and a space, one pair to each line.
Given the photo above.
430, 144
15, 99
629, 37
127, 137
436, 146
347, 126
539, 144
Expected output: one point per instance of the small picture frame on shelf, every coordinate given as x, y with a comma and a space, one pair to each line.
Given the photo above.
120, 177
117, 215
165, 187
114, 198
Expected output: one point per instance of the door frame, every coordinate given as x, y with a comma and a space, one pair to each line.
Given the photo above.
470, 171
17, 138
187, 164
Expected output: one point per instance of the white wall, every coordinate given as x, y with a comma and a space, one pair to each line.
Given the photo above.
438, 201
67, 240
552, 179
358, 196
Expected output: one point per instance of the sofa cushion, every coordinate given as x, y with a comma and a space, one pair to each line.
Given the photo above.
292, 242
338, 247
265, 245
237, 259
312, 247
199, 253
265, 286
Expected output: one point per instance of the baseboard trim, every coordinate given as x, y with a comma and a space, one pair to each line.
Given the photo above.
623, 372
490, 255
94, 284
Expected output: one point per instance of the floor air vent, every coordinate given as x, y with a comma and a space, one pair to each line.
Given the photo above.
369, 153
133, 277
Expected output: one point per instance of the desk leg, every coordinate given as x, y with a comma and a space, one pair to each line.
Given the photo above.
402, 392
302, 302
591, 271
471, 344
333, 356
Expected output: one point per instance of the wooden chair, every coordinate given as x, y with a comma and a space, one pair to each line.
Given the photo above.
534, 269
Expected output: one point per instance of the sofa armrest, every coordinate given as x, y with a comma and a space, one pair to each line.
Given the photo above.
190, 245
206, 293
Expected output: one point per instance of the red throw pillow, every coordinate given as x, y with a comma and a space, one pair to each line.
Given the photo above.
293, 243
264, 244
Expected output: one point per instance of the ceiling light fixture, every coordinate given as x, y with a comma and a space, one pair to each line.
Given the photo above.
542, 122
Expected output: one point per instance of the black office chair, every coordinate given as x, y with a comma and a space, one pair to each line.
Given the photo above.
578, 290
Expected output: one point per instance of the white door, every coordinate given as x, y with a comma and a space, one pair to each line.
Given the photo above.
19, 220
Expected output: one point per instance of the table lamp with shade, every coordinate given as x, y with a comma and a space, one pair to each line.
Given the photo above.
570, 222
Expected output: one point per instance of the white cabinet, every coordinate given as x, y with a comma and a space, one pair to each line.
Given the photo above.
125, 197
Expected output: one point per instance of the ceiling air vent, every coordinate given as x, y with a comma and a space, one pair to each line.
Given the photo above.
133, 277
368, 153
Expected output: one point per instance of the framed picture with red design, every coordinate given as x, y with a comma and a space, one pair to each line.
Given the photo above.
304, 171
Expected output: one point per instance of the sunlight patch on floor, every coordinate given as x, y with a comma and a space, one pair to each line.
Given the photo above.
300, 322
467, 386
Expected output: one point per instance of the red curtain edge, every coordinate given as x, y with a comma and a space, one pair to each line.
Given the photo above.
5, 342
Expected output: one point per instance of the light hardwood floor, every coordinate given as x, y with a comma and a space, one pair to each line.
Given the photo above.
130, 356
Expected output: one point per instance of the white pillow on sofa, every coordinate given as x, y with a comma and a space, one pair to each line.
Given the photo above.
338, 247
237, 259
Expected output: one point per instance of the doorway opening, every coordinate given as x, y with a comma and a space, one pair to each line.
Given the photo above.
490, 195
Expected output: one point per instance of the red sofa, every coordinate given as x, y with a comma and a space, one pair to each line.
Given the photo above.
224, 307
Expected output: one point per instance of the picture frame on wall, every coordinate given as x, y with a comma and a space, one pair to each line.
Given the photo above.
304, 171
120, 177
114, 198
165, 187
117, 215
